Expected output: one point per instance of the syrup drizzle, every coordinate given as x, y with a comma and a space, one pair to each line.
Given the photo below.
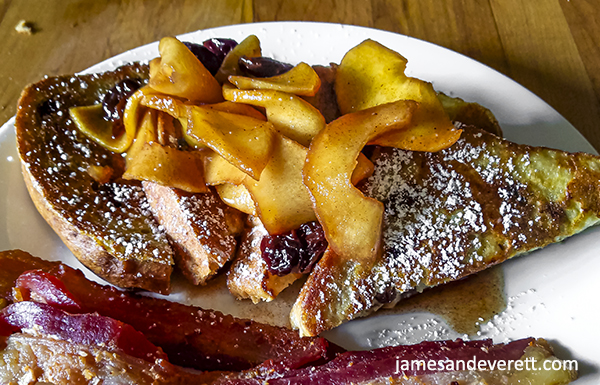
464, 305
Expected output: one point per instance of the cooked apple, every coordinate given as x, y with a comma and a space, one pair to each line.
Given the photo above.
245, 142
351, 221
168, 130
300, 80
90, 120
237, 108
282, 200
149, 160
217, 171
249, 47
165, 103
237, 196
364, 169
291, 115
431, 128
371, 74
181, 74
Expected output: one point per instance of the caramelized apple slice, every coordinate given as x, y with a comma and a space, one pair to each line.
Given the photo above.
291, 115
431, 128
364, 169
237, 108
246, 143
371, 74
154, 66
249, 47
181, 74
169, 167
282, 201
149, 160
90, 120
351, 221
164, 103
237, 196
300, 80
172, 106
218, 170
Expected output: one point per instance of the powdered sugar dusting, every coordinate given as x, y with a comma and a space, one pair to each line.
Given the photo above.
458, 211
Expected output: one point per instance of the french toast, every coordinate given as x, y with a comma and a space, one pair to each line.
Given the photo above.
107, 225
450, 214
202, 228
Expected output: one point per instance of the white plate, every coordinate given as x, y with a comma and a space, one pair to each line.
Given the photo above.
551, 293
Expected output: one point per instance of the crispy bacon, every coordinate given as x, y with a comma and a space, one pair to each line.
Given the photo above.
383, 366
84, 329
190, 336
14, 263
30, 283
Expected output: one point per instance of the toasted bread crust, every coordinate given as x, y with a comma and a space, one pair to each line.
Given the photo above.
202, 228
450, 214
92, 255
106, 226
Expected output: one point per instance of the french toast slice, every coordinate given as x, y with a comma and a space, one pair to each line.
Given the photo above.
108, 226
450, 214
202, 228
249, 277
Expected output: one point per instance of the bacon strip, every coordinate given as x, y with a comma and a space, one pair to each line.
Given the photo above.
14, 263
190, 336
85, 329
382, 366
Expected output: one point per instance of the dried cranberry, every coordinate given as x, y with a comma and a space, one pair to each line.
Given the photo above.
314, 243
220, 47
206, 57
115, 99
296, 251
263, 67
281, 252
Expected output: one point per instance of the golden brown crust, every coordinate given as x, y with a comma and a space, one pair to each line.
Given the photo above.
93, 256
450, 214
107, 226
202, 228
249, 276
